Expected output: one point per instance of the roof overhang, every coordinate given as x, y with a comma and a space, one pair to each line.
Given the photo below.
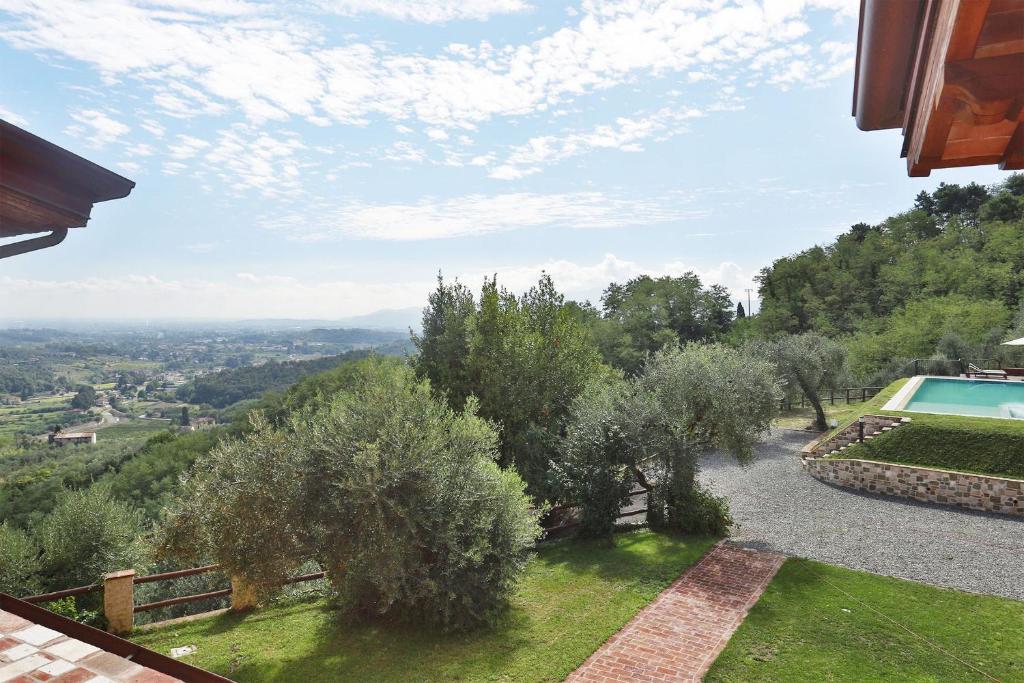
950, 73
44, 187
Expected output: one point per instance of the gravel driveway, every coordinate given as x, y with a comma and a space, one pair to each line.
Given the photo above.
778, 507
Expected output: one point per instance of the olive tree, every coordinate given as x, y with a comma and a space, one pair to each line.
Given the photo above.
653, 428
18, 561
397, 496
699, 398
87, 534
809, 363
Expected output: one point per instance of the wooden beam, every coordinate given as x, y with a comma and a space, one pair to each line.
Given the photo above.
1013, 157
970, 19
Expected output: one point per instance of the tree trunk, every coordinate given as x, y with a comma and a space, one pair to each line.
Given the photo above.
819, 421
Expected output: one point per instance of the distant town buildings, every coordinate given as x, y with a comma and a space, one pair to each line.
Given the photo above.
204, 422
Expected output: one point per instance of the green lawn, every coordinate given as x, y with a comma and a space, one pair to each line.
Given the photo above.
573, 596
805, 629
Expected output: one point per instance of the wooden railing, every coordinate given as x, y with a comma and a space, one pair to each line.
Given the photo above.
847, 395
119, 605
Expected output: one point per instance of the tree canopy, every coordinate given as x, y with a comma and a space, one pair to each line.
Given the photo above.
394, 493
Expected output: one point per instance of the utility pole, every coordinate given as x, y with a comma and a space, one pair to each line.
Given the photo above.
750, 311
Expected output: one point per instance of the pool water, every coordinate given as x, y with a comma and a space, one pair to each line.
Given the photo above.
981, 398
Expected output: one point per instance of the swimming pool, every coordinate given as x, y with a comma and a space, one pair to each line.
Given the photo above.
959, 396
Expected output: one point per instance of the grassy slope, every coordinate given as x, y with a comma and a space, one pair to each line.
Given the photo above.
573, 597
804, 629
970, 444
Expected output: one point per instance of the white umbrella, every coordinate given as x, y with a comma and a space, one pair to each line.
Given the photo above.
1015, 342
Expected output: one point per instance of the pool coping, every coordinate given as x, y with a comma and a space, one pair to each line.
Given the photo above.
902, 397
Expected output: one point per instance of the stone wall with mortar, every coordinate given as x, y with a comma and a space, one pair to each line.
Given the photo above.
971, 491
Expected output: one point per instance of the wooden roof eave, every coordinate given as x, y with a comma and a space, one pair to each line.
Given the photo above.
44, 187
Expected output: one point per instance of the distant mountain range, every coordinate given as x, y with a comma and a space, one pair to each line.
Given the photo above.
396, 319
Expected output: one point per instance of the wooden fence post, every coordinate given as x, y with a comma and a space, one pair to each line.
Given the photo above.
119, 601
243, 597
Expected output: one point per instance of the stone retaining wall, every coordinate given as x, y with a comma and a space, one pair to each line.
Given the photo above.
972, 491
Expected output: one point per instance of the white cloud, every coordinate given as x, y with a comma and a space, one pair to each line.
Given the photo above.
475, 215
154, 128
273, 66
246, 296
426, 11
97, 127
403, 151
187, 147
248, 159
624, 135
249, 295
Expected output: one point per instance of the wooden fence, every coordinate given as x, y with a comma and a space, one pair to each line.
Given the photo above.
848, 395
120, 608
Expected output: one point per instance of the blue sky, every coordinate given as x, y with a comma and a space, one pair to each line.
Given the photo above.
326, 158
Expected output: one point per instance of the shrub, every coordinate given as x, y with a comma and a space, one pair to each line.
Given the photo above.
396, 495
87, 534
18, 562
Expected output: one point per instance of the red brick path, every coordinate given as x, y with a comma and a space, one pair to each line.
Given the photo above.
678, 636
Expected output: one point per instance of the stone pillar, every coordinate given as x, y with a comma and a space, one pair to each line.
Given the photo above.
243, 597
119, 601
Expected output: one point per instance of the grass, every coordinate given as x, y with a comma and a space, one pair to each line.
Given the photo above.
128, 430
574, 595
952, 442
805, 629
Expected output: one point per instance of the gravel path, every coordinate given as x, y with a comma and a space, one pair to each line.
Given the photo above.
777, 507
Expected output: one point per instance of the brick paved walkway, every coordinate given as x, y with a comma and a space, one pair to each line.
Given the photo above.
678, 636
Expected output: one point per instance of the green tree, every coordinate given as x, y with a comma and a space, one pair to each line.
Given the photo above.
810, 363
653, 428
443, 346
646, 313
185, 420
18, 562
394, 493
526, 359
85, 398
740, 311
87, 534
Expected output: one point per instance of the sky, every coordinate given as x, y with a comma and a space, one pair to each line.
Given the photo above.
328, 158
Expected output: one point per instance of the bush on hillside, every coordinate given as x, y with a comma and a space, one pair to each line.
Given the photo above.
393, 493
87, 534
18, 562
